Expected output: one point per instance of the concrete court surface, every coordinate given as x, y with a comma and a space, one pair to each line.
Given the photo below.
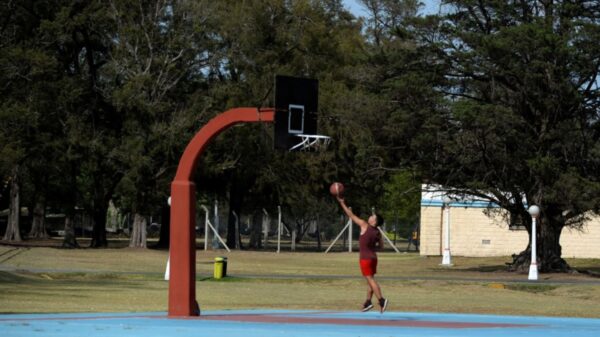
272, 323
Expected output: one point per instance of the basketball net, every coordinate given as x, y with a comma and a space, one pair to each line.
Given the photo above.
311, 143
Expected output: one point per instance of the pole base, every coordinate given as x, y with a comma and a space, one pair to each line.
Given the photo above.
446, 258
533, 272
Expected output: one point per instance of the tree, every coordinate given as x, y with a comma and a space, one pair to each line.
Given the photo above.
395, 93
79, 35
254, 42
38, 222
520, 124
12, 229
155, 66
27, 114
401, 202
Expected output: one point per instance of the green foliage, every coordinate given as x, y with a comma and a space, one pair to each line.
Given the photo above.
153, 68
520, 123
258, 40
401, 202
495, 99
526, 107
120, 87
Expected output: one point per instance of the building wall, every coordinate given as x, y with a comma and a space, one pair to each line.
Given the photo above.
430, 241
584, 243
472, 233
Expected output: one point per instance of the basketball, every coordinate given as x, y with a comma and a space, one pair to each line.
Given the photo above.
336, 189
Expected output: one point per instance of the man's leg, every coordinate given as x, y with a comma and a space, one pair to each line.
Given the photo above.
368, 305
369, 290
377, 290
374, 287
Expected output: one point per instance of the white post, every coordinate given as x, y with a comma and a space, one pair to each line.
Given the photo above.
534, 211
350, 238
168, 271
279, 229
447, 257
215, 241
217, 236
388, 240
206, 231
266, 226
348, 224
294, 240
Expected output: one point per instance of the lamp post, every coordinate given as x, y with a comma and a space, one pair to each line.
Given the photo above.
534, 211
446, 257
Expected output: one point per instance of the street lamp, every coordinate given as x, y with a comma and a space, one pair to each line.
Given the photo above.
534, 211
446, 257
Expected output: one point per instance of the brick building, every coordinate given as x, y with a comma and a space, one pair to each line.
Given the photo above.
473, 233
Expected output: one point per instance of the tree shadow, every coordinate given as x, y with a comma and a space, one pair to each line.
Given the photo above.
484, 269
590, 271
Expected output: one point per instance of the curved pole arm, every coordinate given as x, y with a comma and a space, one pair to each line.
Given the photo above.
214, 127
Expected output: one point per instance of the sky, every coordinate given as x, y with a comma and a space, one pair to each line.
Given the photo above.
431, 6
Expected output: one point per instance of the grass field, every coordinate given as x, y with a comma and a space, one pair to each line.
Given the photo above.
111, 280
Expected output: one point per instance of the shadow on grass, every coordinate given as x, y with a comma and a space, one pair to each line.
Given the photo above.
531, 288
76, 279
483, 269
593, 271
7, 277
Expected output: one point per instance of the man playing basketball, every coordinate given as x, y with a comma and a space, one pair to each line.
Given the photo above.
370, 241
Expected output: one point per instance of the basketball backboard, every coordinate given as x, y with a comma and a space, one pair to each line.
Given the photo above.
296, 104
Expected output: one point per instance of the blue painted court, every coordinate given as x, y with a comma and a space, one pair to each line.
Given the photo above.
271, 323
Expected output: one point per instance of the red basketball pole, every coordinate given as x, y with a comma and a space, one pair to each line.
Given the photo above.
182, 281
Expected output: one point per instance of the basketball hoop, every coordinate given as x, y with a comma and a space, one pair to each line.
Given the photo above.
311, 143
296, 115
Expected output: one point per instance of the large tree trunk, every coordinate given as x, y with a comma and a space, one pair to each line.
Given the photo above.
38, 227
69, 240
99, 229
548, 248
256, 232
14, 212
103, 192
165, 227
138, 233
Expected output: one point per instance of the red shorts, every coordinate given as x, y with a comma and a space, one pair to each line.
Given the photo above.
368, 267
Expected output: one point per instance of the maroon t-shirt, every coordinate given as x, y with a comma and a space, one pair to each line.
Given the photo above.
368, 243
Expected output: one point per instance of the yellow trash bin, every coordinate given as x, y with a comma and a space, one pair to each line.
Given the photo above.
220, 267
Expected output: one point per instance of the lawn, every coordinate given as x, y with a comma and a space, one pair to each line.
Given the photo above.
38, 279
